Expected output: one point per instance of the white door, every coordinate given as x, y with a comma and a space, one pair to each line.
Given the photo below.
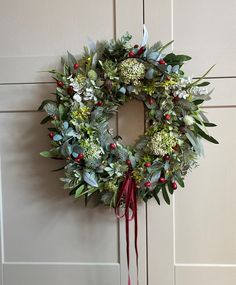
47, 237
194, 241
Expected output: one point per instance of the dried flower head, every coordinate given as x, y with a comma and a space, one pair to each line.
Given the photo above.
131, 71
162, 143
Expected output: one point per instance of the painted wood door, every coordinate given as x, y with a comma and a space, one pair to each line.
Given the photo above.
194, 241
47, 237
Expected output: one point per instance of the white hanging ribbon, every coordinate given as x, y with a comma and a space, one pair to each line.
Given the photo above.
145, 36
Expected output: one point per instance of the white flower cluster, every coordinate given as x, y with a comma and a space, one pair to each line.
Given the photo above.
199, 91
188, 120
177, 89
82, 93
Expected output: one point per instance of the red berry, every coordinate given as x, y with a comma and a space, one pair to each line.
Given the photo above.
162, 180
167, 117
141, 50
60, 84
176, 147
174, 185
136, 46
176, 99
112, 146
99, 103
166, 157
128, 161
131, 54
147, 164
51, 135
70, 89
76, 66
161, 61
80, 156
147, 184
151, 101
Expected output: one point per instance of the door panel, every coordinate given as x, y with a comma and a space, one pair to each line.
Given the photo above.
207, 31
205, 208
197, 232
47, 236
205, 275
47, 274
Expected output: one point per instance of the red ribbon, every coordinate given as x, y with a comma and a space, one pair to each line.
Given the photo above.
127, 195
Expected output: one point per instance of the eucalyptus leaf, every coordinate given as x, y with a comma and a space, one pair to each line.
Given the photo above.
150, 73
66, 149
71, 60
65, 125
153, 56
51, 109
190, 136
57, 138
122, 90
45, 102
155, 177
90, 178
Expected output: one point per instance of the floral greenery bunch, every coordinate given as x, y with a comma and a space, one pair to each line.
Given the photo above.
89, 91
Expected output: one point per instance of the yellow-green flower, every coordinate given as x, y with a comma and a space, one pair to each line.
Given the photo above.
167, 83
92, 74
111, 186
81, 79
150, 88
81, 113
137, 174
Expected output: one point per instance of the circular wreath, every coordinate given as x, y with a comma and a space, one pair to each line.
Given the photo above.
89, 91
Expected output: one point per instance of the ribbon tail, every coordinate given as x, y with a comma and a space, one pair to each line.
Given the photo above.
129, 196
135, 210
127, 243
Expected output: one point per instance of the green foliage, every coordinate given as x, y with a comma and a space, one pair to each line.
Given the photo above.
173, 59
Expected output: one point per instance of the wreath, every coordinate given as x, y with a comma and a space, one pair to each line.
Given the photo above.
89, 91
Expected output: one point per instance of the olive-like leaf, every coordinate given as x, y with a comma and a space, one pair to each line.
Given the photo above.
79, 191
204, 135
165, 194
